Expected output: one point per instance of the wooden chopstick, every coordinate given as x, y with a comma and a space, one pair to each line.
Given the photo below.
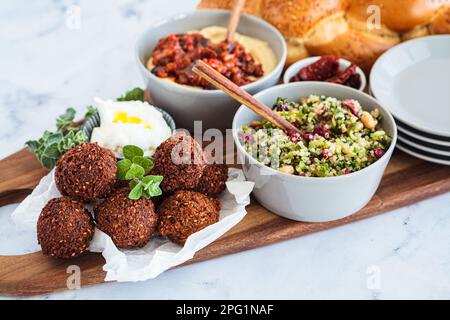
234, 19
218, 80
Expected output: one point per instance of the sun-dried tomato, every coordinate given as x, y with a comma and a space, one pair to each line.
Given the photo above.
344, 76
324, 68
327, 69
175, 55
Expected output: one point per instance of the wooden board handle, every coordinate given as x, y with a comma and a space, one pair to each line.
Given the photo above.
20, 173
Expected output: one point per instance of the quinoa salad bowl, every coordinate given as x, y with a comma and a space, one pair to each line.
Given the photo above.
329, 171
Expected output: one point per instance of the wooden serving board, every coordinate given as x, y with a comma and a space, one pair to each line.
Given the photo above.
406, 181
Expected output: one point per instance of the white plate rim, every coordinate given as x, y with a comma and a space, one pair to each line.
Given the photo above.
421, 156
426, 149
378, 62
425, 139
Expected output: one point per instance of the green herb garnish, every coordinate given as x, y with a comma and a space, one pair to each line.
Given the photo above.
66, 119
134, 168
133, 95
91, 110
52, 145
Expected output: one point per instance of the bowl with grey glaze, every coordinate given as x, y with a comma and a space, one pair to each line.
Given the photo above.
313, 199
188, 104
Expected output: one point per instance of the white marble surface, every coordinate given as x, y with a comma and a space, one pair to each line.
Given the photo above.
47, 65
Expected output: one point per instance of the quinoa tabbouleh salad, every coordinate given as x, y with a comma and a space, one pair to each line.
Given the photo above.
338, 137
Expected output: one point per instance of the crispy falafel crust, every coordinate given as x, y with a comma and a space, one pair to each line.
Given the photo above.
86, 172
212, 182
186, 212
64, 228
182, 171
129, 223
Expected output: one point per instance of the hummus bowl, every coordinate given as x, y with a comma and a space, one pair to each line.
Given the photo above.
188, 104
313, 199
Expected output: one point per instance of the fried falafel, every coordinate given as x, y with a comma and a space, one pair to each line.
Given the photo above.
129, 223
65, 228
186, 212
86, 172
180, 160
212, 182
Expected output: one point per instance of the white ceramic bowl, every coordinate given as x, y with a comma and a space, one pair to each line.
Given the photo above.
213, 107
295, 68
313, 199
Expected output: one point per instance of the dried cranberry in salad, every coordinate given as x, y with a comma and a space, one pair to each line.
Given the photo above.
337, 137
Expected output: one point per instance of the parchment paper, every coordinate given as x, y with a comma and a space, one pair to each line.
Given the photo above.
159, 254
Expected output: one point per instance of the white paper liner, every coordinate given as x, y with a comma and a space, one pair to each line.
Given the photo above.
159, 254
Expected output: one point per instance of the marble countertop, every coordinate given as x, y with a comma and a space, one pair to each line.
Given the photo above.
57, 54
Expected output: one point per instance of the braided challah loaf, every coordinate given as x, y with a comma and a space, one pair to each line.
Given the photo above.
347, 28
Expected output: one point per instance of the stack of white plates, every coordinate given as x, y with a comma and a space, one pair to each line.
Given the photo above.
412, 80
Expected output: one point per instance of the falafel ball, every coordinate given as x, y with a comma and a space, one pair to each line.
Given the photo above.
64, 228
212, 182
180, 160
129, 223
86, 172
186, 212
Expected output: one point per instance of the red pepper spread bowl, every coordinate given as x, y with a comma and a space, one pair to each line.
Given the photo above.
166, 52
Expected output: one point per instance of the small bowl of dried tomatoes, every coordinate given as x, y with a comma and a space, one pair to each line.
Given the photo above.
330, 69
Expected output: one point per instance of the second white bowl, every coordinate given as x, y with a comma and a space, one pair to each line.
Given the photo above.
312, 199
295, 68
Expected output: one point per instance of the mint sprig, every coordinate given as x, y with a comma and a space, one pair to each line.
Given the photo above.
133, 168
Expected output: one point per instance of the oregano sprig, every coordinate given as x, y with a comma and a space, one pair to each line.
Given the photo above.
52, 145
134, 168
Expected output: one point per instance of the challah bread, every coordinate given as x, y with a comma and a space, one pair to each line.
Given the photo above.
346, 28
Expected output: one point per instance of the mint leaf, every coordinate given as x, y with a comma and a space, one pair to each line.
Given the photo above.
133, 184
144, 162
32, 145
135, 171
47, 162
52, 152
122, 168
146, 195
54, 138
152, 179
130, 151
151, 185
65, 119
136, 94
79, 137
136, 192
91, 110
153, 191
